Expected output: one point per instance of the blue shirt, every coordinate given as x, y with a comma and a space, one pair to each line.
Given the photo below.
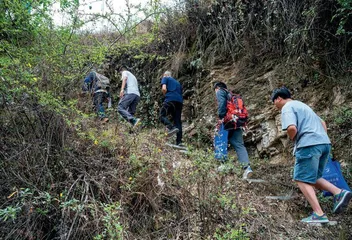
174, 89
310, 130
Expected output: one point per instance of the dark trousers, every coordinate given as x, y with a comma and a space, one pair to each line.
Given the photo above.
98, 99
174, 109
127, 106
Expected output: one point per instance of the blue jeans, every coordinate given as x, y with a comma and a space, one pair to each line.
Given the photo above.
310, 163
236, 140
127, 106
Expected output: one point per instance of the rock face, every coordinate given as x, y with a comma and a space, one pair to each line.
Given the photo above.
266, 135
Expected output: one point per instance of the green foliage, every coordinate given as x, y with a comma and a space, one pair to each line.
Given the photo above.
343, 13
113, 228
9, 213
19, 20
198, 64
343, 117
26, 197
230, 233
226, 201
72, 204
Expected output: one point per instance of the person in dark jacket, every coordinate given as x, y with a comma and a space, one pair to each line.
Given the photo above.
235, 137
172, 105
99, 95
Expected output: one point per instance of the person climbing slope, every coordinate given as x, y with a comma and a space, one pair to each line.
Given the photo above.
234, 126
312, 148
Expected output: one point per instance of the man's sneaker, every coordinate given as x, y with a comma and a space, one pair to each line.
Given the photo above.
315, 218
247, 173
135, 122
341, 201
172, 132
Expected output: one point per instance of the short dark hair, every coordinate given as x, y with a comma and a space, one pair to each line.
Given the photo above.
121, 67
220, 85
282, 92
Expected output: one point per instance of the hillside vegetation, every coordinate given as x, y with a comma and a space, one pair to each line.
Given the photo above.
67, 176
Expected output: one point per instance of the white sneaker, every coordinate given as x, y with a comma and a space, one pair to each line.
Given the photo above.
247, 173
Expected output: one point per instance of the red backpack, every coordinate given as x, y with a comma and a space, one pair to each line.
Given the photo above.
237, 114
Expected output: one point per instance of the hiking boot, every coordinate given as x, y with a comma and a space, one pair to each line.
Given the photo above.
135, 121
247, 173
105, 120
315, 218
172, 131
341, 201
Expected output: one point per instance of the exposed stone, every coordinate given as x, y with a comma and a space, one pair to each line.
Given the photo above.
338, 97
269, 133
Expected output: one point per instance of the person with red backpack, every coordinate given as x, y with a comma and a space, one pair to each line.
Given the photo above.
233, 115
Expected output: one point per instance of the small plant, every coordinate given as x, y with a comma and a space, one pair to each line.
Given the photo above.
343, 116
343, 13
226, 201
113, 227
72, 204
9, 213
230, 233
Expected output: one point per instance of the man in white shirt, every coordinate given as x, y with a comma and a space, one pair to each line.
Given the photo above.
129, 96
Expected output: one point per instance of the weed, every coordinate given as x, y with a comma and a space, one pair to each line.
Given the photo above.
113, 229
9, 213
230, 233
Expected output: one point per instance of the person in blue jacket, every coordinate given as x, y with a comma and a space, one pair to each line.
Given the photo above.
172, 105
99, 95
235, 137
